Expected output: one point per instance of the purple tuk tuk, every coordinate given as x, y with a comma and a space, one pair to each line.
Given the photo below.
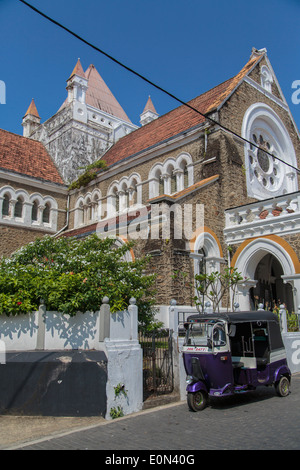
229, 353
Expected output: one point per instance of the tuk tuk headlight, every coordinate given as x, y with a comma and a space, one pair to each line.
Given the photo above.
189, 379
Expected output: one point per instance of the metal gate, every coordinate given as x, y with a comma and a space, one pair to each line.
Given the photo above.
158, 376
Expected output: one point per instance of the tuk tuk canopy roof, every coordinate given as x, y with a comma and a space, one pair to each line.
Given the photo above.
237, 317
275, 339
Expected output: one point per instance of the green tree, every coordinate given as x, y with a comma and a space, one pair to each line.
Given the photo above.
72, 276
215, 286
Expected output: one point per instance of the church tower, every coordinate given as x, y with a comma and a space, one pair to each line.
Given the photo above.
88, 122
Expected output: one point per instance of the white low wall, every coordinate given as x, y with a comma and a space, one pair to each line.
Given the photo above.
50, 331
116, 334
19, 333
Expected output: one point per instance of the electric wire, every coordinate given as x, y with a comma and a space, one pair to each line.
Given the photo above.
158, 87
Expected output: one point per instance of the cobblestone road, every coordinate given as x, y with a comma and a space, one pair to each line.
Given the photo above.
259, 420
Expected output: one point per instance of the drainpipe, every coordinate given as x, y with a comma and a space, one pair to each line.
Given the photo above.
205, 140
67, 223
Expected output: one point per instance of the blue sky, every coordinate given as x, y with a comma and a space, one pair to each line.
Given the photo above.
185, 46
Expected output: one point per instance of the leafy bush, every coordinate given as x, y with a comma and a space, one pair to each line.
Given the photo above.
72, 275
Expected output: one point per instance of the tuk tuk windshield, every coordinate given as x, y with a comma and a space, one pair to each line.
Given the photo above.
200, 334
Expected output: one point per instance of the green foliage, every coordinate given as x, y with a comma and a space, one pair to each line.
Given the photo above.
72, 276
88, 175
214, 286
116, 412
120, 388
292, 318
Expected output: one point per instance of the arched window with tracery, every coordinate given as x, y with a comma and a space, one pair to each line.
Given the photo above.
270, 145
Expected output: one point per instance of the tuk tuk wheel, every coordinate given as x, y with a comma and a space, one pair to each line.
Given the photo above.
197, 401
282, 387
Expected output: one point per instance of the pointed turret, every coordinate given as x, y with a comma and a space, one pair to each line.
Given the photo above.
32, 110
78, 70
149, 113
31, 120
77, 85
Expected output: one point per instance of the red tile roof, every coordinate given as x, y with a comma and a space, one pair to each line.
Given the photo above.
176, 121
27, 157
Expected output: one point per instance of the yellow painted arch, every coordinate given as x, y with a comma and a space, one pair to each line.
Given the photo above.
276, 239
198, 232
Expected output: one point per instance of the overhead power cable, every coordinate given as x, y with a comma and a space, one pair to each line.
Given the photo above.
208, 118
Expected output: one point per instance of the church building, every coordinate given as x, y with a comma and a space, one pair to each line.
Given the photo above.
235, 161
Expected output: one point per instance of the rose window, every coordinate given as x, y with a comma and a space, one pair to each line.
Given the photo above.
263, 167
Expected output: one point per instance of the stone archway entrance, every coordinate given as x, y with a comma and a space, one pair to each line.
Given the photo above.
270, 290
268, 266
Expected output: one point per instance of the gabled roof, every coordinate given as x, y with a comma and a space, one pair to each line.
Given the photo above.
176, 121
27, 157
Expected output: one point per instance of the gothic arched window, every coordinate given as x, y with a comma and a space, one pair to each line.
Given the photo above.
34, 211
18, 208
46, 214
202, 262
5, 205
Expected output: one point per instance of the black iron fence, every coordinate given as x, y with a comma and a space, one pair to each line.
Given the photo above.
158, 376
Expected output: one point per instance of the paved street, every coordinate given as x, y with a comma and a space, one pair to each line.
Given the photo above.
259, 420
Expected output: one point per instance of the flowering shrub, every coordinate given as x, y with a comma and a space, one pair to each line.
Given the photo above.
73, 276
